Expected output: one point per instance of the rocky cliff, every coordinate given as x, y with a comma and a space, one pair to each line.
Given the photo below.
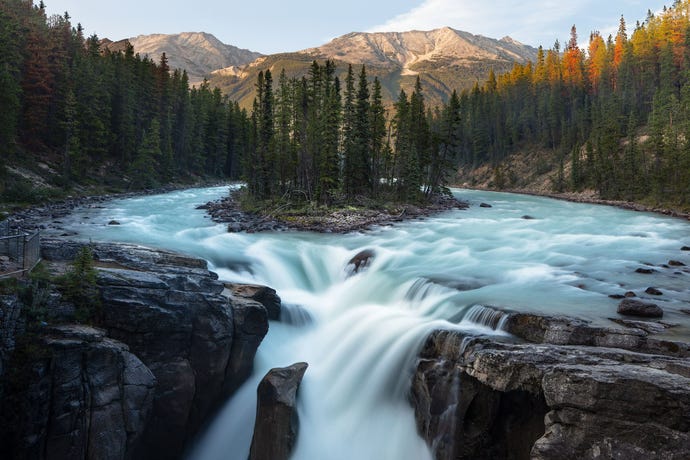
563, 395
171, 344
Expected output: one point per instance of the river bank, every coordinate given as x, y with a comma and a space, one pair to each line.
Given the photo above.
47, 216
591, 197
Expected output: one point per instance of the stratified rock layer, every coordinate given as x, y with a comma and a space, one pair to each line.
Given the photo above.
162, 310
572, 395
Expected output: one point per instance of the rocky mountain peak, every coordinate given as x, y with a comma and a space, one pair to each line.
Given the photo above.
197, 52
444, 46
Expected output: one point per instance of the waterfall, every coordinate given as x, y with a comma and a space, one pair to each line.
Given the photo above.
486, 316
361, 331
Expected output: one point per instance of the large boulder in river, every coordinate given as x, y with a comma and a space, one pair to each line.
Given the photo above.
265, 295
360, 261
74, 393
634, 307
276, 427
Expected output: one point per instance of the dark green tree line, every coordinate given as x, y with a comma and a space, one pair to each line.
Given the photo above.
97, 115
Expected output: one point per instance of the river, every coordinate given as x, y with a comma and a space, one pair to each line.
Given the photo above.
360, 333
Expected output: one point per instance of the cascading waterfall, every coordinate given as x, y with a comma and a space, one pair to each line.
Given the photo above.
360, 332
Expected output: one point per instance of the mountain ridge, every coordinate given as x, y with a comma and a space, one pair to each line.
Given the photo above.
199, 53
444, 59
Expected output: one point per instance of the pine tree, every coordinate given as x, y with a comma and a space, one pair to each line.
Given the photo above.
377, 123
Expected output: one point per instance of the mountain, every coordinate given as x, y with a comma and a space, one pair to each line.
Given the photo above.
444, 59
197, 52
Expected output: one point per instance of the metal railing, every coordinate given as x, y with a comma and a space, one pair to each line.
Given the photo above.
23, 249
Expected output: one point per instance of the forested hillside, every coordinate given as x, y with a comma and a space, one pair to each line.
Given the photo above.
615, 118
78, 114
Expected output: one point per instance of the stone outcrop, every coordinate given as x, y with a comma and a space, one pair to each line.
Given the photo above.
265, 295
168, 313
564, 330
277, 425
574, 394
75, 393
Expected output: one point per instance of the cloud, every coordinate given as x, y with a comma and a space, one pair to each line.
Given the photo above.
531, 21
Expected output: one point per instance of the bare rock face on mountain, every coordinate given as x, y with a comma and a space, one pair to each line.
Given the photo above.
414, 51
444, 59
198, 53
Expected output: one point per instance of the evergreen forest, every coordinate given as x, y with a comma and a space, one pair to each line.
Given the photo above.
614, 117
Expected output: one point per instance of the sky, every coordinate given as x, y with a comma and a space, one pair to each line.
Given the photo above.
273, 26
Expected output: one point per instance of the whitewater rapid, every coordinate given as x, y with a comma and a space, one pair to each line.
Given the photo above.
360, 334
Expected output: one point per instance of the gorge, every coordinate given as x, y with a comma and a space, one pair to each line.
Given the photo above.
460, 328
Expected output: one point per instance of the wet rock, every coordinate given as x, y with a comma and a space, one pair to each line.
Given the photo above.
563, 330
113, 222
277, 425
627, 295
685, 248
645, 271
265, 295
638, 308
676, 263
651, 327
653, 291
360, 261
76, 394
528, 217
485, 205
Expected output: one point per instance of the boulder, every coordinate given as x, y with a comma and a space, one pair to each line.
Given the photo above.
634, 307
265, 295
653, 291
360, 261
277, 425
645, 271
485, 205
676, 263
